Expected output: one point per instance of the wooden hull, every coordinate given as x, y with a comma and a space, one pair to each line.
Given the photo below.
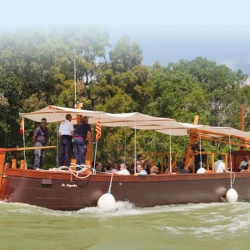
62, 191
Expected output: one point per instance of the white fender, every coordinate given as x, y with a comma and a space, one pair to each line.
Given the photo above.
106, 202
232, 195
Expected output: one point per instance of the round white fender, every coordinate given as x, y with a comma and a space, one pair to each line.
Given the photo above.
106, 202
201, 170
232, 195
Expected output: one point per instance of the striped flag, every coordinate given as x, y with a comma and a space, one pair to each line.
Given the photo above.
98, 129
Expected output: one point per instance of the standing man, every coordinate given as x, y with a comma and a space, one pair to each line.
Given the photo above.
40, 138
65, 133
82, 136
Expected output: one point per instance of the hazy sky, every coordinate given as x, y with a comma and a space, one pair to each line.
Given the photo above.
167, 31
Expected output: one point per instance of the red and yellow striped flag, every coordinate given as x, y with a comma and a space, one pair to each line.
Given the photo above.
98, 129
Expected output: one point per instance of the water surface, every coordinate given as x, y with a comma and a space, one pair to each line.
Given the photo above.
193, 226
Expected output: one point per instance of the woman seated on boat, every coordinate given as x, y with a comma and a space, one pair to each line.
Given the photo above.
140, 160
154, 170
123, 170
147, 165
140, 170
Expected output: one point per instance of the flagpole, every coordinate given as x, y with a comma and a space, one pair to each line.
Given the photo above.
95, 153
24, 154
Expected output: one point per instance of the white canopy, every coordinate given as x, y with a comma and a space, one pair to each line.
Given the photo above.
136, 121
132, 120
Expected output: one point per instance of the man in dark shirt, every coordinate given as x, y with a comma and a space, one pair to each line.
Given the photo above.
40, 138
82, 135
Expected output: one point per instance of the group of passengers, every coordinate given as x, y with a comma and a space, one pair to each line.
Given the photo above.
219, 165
148, 167
143, 167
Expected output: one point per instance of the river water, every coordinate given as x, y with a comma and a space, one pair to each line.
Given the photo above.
192, 226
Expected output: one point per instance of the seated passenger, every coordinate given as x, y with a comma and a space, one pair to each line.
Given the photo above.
115, 168
123, 170
98, 167
140, 170
219, 165
175, 170
148, 165
182, 169
140, 159
108, 168
243, 164
154, 170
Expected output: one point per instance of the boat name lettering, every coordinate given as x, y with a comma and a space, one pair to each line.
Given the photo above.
69, 185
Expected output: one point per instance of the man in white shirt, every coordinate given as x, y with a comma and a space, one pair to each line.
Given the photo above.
244, 163
140, 170
123, 170
65, 133
219, 165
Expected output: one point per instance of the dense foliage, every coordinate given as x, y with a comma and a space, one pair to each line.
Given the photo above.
37, 68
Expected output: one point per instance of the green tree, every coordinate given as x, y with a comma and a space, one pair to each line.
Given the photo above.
125, 55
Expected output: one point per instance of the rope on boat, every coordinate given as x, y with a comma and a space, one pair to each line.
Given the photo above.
231, 195
110, 184
75, 173
232, 174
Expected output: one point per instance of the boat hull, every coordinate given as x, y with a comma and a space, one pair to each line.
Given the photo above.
62, 191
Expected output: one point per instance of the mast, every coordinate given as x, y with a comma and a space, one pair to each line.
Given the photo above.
75, 79
192, 138
242, 116
243, 124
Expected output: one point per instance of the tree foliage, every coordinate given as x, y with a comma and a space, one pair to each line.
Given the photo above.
64, 65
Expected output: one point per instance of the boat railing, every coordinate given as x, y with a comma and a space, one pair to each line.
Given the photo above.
162, 159
211, 158
3, 152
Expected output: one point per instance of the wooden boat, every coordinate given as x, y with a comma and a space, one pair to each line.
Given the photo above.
69, 190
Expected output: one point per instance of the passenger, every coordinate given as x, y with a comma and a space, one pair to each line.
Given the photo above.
129, 168
140, 170
243, 164
108, 168
40, 138
219, 165
182, 169
98, 167
65, 133
148, 165
154, 170
82, 135
140, 160
115, 168
175, 170
123, 170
